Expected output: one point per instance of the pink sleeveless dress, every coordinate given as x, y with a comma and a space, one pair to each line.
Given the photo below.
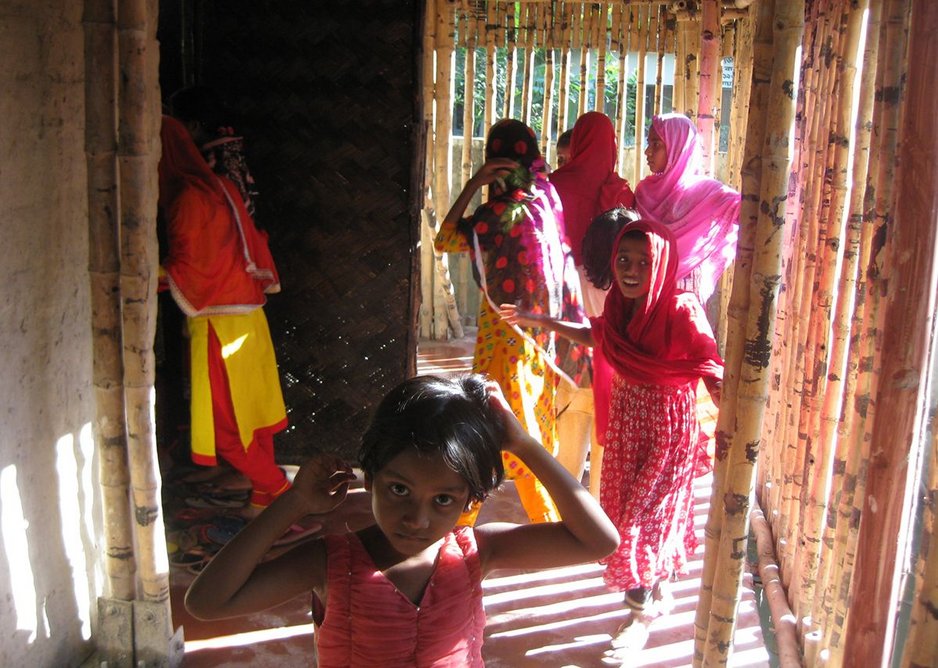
368, 622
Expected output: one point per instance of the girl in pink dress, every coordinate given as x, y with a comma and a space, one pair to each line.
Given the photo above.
406, 591
660, 345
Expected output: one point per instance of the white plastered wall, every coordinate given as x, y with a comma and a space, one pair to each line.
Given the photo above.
48, 542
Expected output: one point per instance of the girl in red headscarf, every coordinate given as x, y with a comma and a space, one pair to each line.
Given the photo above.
588, 185
660, 345
219, 270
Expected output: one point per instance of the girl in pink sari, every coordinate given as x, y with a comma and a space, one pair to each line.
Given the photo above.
702, 213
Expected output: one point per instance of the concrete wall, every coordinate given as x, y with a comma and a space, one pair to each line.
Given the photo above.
47, 469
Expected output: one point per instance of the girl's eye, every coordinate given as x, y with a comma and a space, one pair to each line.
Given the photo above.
398, 489
445, 500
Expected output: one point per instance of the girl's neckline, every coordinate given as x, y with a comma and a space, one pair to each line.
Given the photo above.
399, 576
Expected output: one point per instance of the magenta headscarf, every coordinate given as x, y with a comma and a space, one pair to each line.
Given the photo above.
588, 184
702, 213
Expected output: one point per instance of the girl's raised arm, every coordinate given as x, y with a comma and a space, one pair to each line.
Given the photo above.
236, 582
583, 534
578, 332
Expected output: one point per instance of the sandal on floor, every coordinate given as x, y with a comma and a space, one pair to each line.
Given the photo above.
633, 633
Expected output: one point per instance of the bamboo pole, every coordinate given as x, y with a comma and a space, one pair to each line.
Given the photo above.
491, 77
468, 116
511, 65
908, 329
138, 147
678, 95
659, 67
737, 311
548, 108
104, 270
752, 391
564, 87
823, 403
445, 34
921, 647
600, 22
584, 32
837, 528
742, 85
426, 241
527, 90
861, 412
783, 620
642, 33
803, 269
710, 79
623, 92
691, 66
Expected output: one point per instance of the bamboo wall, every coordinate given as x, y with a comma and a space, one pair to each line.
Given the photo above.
823, 437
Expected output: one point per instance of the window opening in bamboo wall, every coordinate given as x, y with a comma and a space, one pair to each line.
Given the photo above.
521, 60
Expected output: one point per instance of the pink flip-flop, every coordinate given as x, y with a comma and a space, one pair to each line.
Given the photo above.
298, 532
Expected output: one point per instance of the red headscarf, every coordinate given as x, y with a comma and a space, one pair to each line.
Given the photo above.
667, 339
588, 184
218, 262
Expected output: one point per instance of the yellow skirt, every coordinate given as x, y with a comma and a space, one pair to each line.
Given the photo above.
251, 366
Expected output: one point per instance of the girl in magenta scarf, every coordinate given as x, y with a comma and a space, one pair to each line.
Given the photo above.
702, 213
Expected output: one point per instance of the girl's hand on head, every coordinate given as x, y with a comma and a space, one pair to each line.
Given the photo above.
494, 169
322, 483
516, 437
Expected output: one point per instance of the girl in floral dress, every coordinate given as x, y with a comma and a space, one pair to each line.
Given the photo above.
660, 345
516, 240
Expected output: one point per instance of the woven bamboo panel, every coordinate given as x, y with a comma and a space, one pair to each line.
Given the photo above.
326, 97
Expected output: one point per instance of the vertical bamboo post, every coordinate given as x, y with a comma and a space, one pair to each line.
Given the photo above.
847, 325
138, 148
752, 389
563, 95
678, 95
511, 65
659, 38
691, 65
742, 84
601, 21
642, 32
426, 233
622, 112
468, 115
830, 353
527, 91
584, 32
710, 78
737, 311
861, 413
906, 343
921, 647
491, 77
548, 109
443, 139
104, 270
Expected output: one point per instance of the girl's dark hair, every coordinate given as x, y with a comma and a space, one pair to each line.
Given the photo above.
597, 244
452, 417
202, 104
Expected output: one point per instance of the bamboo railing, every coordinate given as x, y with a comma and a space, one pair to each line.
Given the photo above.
823, 310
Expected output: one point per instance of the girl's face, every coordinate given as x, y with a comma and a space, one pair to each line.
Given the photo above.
656, 153
632, 267
416, 500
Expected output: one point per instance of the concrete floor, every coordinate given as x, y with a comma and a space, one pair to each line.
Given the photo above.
560, 618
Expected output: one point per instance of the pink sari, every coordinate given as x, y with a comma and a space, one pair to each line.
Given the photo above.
702, 213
